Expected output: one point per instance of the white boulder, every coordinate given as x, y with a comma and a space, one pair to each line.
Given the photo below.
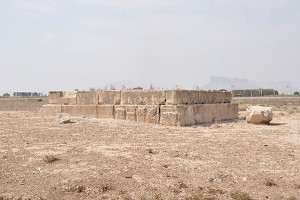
64, 118
259, 115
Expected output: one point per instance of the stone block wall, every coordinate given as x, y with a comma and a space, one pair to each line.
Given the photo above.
166, 107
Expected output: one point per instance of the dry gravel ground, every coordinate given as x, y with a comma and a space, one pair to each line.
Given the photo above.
112, 159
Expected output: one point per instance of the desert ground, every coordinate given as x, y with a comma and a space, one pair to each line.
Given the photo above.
114, 159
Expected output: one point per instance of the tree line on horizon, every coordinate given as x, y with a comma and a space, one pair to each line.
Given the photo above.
24, 94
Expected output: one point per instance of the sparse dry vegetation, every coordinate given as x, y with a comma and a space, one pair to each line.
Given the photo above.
297, 186
239, 195
181, 185
196, 196
105, 187
270, 182
216, 126
292, 198
215, 191
50, 158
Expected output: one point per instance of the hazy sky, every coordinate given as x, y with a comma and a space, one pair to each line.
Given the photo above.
67, 44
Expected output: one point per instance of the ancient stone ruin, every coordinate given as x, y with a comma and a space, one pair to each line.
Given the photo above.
166, 107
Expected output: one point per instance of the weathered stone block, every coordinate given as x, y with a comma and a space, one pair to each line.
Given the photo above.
227, 97
227, 111
127, 112
259, 115
131, 113
120, 112
89, 111
221, 97
50, 110
54, 97
141, 97
185, 115
182, 97
189, 97
69, 98
148, 113
105, 111
182, 115
112, 97
87, 98
206, 113
202, 97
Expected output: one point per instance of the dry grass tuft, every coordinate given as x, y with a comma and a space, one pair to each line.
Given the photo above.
292, 198
297, 186
50, 158
105, 187
215, 191
200, 196
150, 150
181, 185
216, 126
270, 183
196, 196
157, 196
238, 195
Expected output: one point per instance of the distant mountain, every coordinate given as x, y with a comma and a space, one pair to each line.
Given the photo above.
217, 82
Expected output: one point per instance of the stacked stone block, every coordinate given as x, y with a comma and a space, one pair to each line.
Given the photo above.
166, 107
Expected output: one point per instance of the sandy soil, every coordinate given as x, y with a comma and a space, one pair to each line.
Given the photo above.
114, 159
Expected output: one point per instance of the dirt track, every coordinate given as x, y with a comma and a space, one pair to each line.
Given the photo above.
113, 159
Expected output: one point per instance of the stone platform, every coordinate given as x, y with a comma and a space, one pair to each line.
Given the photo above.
166, 107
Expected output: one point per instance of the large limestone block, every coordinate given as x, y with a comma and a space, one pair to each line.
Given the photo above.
202, 97
214, 97
206, 113
170, 115
127, 112
50, 110
112, 97
218, 97
148, 113
185, 115
221, 97
64, 118
54, 97
184, 97
227, 97
259, 115
189, 97
120, 112
87, 98
69, 98
142, 97
227, 111
177, 115
89, 111
131, 113
105, 111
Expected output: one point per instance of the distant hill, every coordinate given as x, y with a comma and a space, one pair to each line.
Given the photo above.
218, 82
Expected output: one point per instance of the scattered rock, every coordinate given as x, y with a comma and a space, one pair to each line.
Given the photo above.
50, 159
259, 115
216, 126
165, 166
64, 118
128, 176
